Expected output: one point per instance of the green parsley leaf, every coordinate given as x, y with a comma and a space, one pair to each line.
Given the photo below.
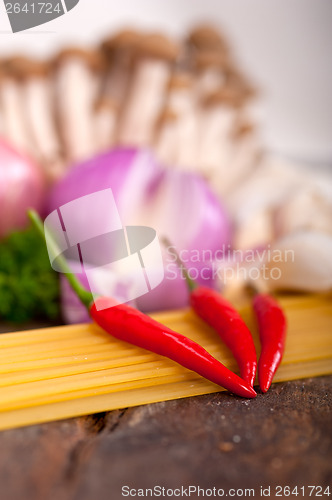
29, 288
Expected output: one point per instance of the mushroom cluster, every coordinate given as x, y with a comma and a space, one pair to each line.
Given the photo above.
187, 100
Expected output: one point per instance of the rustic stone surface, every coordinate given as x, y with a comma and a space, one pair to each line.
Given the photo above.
283, 437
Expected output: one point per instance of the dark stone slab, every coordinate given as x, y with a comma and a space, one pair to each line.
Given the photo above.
281, 438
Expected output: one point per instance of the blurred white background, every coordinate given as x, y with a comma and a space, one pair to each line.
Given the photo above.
284, 45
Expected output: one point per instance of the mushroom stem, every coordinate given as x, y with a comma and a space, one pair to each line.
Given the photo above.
77, 86
15, 126
105, 124
152, 70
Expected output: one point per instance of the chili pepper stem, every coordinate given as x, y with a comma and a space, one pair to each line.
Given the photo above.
82, 293
192, 285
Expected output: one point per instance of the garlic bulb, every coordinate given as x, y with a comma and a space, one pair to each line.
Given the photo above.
305, 263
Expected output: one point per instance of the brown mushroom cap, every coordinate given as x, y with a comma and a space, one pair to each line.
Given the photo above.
227, 96
168, 115
180, 80
157, 46
3, 72
123, 40
93, 58
242, 128
105, 103
207, 37
23, 68
211, 58
236, 79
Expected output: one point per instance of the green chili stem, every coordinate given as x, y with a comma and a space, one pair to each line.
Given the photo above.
82, 293
190, 282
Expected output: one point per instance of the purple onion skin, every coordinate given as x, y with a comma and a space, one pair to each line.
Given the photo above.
108, 170
22, 186
172, 293
72, 309
196, 220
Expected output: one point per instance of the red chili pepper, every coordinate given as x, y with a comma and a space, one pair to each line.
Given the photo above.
217, 312
272, 326
128, 324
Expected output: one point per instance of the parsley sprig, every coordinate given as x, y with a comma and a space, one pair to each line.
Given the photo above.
29, 288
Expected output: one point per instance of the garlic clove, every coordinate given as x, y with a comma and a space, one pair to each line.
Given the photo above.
307, 210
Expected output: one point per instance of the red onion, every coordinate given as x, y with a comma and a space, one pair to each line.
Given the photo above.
21, 187
178, 205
